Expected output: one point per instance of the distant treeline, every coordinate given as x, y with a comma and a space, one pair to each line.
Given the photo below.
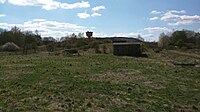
27, 41
31, 42
24, 40
180, 39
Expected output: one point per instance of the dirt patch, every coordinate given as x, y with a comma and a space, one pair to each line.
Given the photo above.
119, 76
118, 101
55, 106
155, 85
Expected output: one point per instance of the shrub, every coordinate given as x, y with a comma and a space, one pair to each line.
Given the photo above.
97, 49
50, 47
10, 47
104, 49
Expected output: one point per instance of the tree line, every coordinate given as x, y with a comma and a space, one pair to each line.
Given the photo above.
24, 40
27, 41
180, 39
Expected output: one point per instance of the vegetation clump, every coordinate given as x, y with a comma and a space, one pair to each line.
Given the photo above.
10, 47
183, 39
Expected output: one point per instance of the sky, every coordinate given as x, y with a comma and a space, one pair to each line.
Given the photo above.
106, 18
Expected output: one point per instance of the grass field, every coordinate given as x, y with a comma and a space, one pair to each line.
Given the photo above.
99, 82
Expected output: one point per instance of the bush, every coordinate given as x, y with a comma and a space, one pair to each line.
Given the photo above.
97, 49
50, 47
10, 47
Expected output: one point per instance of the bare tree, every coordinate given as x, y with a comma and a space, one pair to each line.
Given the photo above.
164, 41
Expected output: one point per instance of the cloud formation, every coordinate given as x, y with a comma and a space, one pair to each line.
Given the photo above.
155, 12
47, 28
176, 17
83, 15
75, 5
154, 18
180, 19
155, 29
97, 8
48, 4
171, 15
2, 15
94, 12
2, 1
53, 4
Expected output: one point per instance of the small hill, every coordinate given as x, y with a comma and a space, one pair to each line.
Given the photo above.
119, 39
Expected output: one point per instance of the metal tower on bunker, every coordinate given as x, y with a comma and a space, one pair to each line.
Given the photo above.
89, 34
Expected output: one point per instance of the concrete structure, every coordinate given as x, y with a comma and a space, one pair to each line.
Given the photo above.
127, 49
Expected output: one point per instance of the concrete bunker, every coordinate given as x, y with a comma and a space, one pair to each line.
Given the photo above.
127, 49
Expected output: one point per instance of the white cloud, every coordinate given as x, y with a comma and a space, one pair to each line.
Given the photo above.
86, 15
47, 28
186, 20
97, 8
177, 18
155, 12
2, 1
169, 16
83, 15
48, 4
154, 18
51, 5
182, 22
150, 37
2, 15
75, 5
147, 35
131, 34
96, 14
178, 12
155, 29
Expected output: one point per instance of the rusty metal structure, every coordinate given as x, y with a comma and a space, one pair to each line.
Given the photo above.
89, 35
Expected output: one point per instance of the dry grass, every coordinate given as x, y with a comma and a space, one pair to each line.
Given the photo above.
119, 76
14, 74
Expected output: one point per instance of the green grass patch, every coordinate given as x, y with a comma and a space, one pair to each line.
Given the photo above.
98, 82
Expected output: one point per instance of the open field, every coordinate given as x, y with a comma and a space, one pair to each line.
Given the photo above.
99, 82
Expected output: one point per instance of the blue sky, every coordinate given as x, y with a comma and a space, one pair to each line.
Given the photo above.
130, 18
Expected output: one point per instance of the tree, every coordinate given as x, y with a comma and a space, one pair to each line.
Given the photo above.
80, 35
14, 35
73, 35
30, 42
37, 33
26, 40
50, 47
179, 38
15, 29
164, 41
